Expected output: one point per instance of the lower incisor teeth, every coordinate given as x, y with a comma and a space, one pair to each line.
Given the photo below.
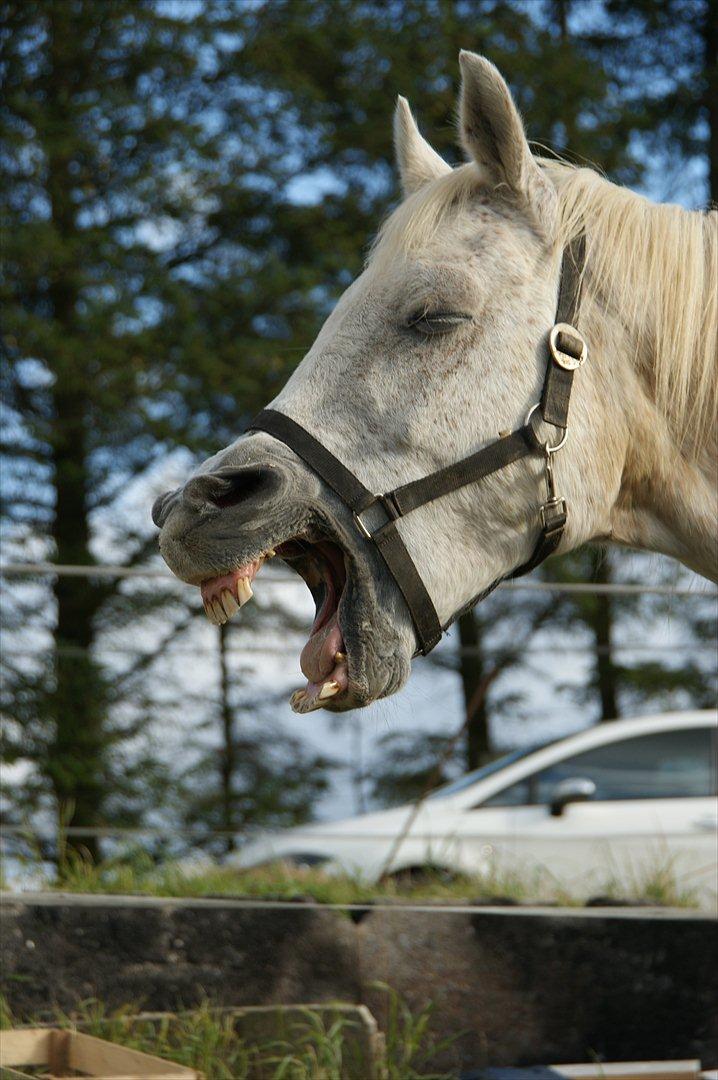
328, 690
229, 603
244, 591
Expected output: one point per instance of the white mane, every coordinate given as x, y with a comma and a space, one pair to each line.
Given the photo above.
657, 265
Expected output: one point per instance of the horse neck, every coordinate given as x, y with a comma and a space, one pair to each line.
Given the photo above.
667, 501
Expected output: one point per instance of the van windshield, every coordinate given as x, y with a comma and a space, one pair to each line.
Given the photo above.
465, 781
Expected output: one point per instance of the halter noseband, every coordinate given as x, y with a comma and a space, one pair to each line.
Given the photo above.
375, 516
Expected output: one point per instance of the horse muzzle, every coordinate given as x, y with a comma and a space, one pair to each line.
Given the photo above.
257, 501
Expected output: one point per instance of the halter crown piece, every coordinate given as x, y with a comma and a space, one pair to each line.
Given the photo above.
375, 516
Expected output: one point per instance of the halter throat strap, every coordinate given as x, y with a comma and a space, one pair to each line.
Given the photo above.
376, 516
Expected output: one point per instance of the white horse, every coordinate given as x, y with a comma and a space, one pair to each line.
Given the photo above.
434, 350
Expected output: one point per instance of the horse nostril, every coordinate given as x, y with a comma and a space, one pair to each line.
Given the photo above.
227, 487
161, 506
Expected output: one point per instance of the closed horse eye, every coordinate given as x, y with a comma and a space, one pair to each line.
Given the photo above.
437, 322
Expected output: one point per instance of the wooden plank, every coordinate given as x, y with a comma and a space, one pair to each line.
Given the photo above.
65, 1051
116, 1060
30, 1047
100, 1058
631, 1070
57, 1061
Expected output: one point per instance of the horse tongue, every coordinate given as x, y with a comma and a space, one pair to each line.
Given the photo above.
317, 659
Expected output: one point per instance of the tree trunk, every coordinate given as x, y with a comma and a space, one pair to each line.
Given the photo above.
561, 9
228, 755
357, 772
78, 699
602, 626
561, 16
472, 669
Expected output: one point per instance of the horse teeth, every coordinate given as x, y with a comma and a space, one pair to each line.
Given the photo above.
209, 612
244, 591
219, 612
230, 605
328, 690
339, 657
270, 554
297, 698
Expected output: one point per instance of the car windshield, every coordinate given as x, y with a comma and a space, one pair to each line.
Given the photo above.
462, 782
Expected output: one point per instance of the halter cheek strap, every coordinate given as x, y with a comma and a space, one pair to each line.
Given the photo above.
375, 516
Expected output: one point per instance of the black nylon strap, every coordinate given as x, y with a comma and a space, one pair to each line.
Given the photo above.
321, 460
571, 283
556, 394
420, 605
358, 498
496, 456
548, 541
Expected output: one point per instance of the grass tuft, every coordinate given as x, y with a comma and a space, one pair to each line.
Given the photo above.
205, 1039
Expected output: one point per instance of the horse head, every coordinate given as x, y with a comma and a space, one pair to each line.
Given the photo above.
435, 350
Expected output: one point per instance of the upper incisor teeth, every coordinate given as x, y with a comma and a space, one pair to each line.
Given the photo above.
209, 612
244, 591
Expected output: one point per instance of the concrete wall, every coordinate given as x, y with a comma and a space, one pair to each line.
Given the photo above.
521, 986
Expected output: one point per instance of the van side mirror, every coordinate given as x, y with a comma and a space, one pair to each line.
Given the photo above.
575, 789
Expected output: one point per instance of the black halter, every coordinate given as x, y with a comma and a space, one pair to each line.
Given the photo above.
376, 516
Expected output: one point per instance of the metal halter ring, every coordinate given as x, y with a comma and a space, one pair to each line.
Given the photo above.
545, 446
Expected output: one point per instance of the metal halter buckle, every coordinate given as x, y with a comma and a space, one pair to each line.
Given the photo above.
554, 511
568, 348
389, 509
553, 514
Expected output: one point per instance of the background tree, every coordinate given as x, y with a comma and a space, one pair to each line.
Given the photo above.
664, 57
119, 188
189, 187
621, 680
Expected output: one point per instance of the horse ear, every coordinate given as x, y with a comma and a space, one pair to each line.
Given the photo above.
418, 162
491, 129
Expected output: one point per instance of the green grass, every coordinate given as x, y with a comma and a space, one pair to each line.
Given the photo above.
276, 882
205, 1039
655, 881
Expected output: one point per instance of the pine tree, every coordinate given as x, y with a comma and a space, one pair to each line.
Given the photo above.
117, 185
665, 58
186, 196
267, 778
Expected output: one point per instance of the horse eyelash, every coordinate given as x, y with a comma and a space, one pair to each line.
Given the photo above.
436, 322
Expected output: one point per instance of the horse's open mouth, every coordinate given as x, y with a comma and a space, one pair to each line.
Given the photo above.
323, 659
